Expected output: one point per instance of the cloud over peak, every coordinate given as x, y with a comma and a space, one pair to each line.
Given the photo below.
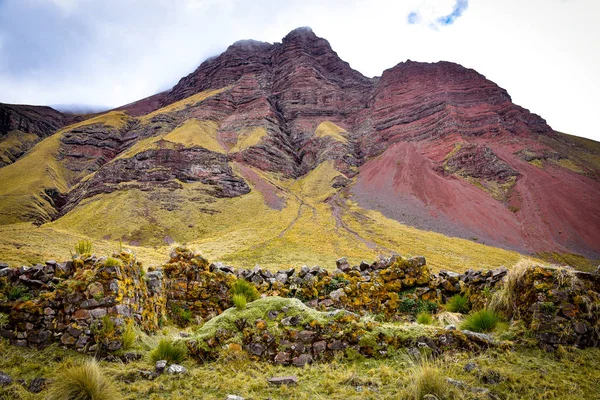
434, 15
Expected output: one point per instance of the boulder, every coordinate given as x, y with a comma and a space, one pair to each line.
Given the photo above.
283, 380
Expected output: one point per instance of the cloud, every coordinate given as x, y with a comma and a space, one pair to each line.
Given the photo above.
460, 7
413, 18
433, 15
113, 52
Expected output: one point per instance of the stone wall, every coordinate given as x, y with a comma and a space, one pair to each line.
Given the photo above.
86, 303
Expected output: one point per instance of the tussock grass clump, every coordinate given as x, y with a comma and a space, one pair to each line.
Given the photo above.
428, 379
246, 289
113, 262
459, 303
239, 301
505, 300
128, 337
83, 382
169, 351
424, 318
449, 318
83, 247
484, 320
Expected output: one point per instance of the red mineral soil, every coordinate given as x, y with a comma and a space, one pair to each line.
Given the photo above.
553, 204
266, 189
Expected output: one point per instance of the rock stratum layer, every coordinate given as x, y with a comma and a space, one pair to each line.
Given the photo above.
289, 133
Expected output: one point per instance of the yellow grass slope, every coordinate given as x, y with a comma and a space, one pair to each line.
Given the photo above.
316, 226
22, 193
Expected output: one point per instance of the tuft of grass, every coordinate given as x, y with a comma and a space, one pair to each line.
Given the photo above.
506, 298
83, 247
106, 329
113, 262
428, 379
83, 382
182, 316
244, 288
449, 318
128, 337
459, 303
169, 351
239, 301
484, 320
424, 318
16, 292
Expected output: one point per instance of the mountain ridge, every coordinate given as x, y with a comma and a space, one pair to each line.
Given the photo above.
433, 145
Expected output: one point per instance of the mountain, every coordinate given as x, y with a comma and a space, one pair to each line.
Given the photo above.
282, 153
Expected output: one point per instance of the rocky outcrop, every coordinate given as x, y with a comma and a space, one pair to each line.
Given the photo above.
41, 121
165, 168
22, 126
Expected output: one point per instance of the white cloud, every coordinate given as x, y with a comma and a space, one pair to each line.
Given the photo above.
110, 52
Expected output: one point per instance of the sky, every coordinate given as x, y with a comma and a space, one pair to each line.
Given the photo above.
105, 53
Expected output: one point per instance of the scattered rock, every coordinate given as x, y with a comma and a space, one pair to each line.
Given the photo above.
176, 369
37, 385
450, 327
284, 380
462, 385
148, 375
130, 357
491, 377
471, 366
234, 397
160, 366
302, 360
290, 321
5, 379
481, 338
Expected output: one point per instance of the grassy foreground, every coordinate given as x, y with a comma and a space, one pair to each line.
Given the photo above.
521, 374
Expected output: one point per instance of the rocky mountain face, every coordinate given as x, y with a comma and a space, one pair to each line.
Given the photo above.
436, 146
22, 126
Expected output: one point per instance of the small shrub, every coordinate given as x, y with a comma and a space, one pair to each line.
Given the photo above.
83, 247
128, 336
169, 351
484, 320
245, 288
424, 318
239, 301
83, 382
459, 304
16, 292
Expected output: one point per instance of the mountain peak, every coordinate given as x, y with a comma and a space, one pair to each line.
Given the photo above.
302, 33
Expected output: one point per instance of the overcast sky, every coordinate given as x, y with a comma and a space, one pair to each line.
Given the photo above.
107, 53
